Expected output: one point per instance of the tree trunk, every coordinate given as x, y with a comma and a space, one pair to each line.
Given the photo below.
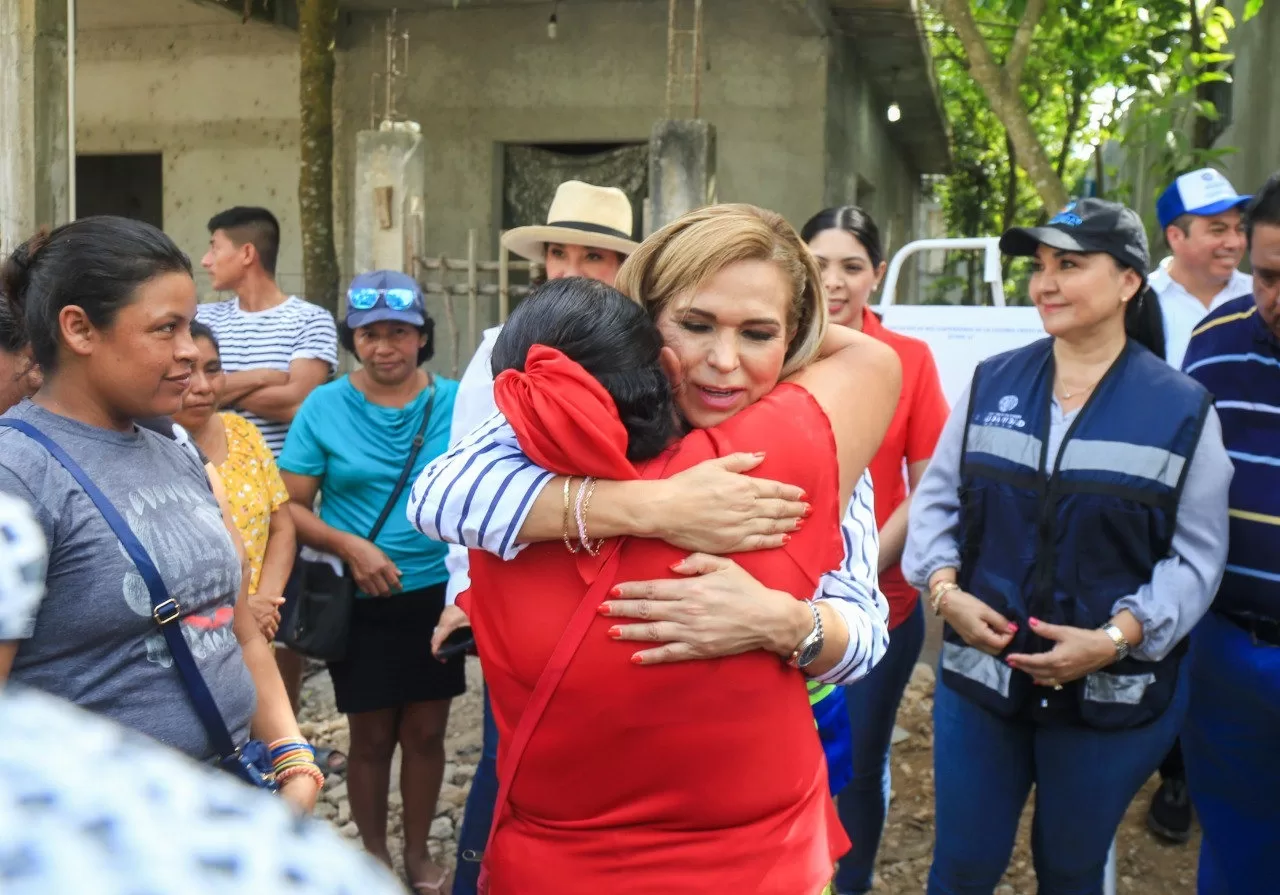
317, 33
1006, 101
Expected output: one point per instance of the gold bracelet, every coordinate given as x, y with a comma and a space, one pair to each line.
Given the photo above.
593, 548
568, 516
940, 590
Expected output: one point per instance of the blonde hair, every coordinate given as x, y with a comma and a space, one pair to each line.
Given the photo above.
676, 260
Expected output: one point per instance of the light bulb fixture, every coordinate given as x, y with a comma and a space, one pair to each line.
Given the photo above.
893, 113
553, 22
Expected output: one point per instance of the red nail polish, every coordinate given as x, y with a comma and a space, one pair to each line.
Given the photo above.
786, 539
1013, 628
808, 511
1033, 621
799, 524
615, 592
804, 495
636, 660
615, 632
603, 609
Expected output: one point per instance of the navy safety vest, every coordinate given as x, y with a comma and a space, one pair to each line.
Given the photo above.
1064, 547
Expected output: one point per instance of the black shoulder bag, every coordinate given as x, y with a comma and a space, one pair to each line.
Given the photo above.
322, 618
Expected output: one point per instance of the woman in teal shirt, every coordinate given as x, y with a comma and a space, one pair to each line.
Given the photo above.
350, 441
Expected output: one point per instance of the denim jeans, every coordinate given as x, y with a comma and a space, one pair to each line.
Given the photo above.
1231, 742
984, 768
873, 707
477, 816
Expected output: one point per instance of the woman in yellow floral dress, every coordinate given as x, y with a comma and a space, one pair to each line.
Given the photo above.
257, 495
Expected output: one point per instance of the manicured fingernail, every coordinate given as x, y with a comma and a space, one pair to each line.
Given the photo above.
1033, 621
1009, 662
603, 609
677, 565
615, 632
1013, 627
804, 495
786, 539
636, 660
759, 454
808, 511
615, 592
799, 524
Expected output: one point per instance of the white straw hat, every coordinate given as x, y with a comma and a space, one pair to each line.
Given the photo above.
580, 214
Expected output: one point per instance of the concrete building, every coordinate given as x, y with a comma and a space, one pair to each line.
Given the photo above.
182, 109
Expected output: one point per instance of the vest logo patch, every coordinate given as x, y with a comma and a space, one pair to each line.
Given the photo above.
1006, 418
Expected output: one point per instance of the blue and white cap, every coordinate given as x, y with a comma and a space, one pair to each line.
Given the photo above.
1203, 193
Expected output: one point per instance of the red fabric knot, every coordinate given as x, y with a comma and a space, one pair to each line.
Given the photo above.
564, 419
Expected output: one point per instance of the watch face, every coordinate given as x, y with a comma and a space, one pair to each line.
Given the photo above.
809, 653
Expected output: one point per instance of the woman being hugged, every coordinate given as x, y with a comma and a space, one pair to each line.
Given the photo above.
351, 442
107, 304
255, 491
1071, 530
846, 243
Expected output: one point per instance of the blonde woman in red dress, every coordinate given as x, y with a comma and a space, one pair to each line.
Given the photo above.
699, 776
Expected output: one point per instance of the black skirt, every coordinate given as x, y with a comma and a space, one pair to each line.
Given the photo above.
389, 662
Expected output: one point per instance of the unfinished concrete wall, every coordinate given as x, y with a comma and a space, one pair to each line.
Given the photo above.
480, 77
1255, 126
219, 99
864, 166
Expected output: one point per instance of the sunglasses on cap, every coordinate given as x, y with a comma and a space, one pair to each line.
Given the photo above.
397, 299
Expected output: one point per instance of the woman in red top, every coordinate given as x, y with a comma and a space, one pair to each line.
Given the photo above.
846, 243
687, 777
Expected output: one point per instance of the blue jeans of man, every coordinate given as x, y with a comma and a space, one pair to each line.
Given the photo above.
1231, 742
477, 816
984, 768
873, 707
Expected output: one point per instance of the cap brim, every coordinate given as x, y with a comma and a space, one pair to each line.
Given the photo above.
1206, 211
530, 243
356, 319
1023, 241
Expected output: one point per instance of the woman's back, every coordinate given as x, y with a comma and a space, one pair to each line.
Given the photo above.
706, 775
95, 642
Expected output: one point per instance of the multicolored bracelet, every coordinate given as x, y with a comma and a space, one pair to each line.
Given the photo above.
309, 769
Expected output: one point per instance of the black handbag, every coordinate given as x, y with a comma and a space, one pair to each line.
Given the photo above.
322, 618
250, 762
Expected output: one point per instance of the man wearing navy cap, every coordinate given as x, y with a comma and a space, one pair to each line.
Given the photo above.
1200, 216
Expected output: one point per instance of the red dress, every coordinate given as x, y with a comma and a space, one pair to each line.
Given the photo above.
697, 777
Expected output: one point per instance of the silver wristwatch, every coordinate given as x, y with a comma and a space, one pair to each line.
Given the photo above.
809, 648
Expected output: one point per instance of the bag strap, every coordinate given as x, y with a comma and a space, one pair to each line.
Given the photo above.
164, 609
418, 441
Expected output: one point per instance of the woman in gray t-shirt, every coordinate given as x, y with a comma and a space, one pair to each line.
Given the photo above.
107, 304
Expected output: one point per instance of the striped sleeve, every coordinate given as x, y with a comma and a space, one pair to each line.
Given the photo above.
317, 339
479, 493
853, 590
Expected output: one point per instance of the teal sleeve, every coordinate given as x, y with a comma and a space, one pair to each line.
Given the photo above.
303, 453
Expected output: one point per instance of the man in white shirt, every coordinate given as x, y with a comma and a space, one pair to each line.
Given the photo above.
1200, 216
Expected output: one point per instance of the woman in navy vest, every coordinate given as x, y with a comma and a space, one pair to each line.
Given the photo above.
1070, 530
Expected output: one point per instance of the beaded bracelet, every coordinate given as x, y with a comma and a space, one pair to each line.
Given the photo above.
568, 545
311, 770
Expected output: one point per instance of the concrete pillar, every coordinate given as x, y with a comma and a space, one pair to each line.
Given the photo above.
34, 128
682, 169
391, 169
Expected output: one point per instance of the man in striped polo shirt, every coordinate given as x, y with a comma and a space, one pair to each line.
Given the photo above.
1232, 735
275, 348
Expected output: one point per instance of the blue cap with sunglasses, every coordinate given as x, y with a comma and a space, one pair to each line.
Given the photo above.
384, 295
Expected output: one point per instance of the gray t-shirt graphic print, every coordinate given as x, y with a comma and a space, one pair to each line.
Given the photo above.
95, 642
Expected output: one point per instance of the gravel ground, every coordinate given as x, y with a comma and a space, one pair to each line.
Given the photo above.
1145, 865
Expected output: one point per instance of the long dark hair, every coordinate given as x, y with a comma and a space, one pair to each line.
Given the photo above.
609, 336
95, 263
1144, 322
851, 219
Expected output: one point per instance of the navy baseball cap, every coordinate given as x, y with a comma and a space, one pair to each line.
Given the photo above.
384, 295
1204, 193
1088, 225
